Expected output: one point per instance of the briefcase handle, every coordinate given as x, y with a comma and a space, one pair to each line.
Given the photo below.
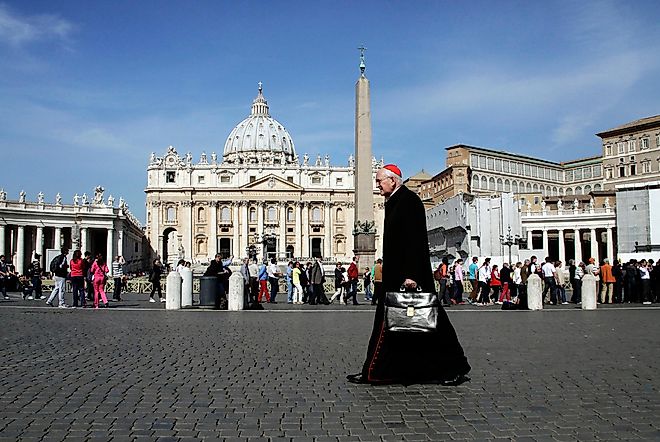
402, 289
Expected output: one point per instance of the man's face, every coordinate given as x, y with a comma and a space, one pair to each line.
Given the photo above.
386, 184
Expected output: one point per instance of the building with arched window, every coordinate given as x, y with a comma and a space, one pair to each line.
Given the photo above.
259, 193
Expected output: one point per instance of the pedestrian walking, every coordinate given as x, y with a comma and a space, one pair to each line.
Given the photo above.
100, 271
78, 279
154, 278
118, 276
59, 267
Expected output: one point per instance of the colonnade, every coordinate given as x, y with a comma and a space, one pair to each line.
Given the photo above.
577, 235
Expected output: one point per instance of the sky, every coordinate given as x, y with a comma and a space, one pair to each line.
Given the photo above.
88, 89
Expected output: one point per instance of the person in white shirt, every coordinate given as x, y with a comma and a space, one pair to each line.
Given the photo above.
483, 275
550, 279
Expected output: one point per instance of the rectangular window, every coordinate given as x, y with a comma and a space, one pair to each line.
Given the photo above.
633, 169
622, 171
587, 172
253, 178
514, 168
474, 160
657, 141
200, 179
578, 174
340, 181
645, 143
289, 179
316, 180
608, 150
535, 171
569, 176
170, 176
498, 165
608, 174
598, 171
225, 179
631, 145
505, 166
527, 170
491, 163
482, 162
620, 148
646, 167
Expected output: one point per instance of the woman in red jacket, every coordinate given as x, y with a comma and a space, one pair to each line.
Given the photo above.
495, 283
77, 267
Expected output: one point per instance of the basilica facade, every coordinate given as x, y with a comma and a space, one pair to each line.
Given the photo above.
260, 198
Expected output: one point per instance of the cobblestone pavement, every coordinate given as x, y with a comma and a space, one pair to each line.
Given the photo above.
137, 374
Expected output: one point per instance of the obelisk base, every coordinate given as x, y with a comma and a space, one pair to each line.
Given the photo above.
365, 249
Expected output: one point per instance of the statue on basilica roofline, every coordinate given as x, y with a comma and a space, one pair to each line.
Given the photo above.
214, 158
189, 159
58, 199
111, 201
152, 158
85, 201
3, 195
202, 159
40, 198
351, 161
560, 204
21, 196
122, 202
327, 160
76, 199
607, 203
576, 204
305, 160
98, 195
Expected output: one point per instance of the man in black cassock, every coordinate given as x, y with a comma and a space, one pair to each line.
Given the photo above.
407, 358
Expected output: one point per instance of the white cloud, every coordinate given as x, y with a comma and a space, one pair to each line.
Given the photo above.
17, 31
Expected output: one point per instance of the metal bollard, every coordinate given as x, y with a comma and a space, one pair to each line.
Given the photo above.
589, 295
186, 287
534, 293
235, 298
173, 291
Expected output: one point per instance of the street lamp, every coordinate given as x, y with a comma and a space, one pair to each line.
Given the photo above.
509, 240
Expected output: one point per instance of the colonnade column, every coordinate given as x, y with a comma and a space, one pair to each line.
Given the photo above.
39, 244
594, 245
260, 219
327, 226
545, 242
610, 245
83, 240
298, 230
120, 242
305, 230
577, 246
213, 233
236, 246
245, 234
57, 241
562, 246
20, 251
108, 253
156, 238
188, 239
529, 239
2, 240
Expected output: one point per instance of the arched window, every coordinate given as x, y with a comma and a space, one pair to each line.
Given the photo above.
272, 214
253, 215
569, 191
475, 181
225, 214
528, 188
201, 215
201, 246
578, 190
340, 247
507, 186
491, 184
535, 189
171, 214
484, 183
316, 214
597, 188
554, 191
340, 215
500, 185
587, 189
514, 187
542, 190
290, 214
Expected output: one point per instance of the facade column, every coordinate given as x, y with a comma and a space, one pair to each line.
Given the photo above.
545, 242
282, 226
327, 227
108, 254
156, 237
83, 240
245, 227
188, 239
120, 242
610, 245
20, 251
57, 241
577, 246
235, 242
213, 232
529, 239
594, 245
2, 240
562, 249
305, 230
39, 244
298, 229
260, 219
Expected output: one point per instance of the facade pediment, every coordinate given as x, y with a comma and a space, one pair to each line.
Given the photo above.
271, 183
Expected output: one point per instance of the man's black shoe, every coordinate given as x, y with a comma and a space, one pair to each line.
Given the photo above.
356, 379
458, 380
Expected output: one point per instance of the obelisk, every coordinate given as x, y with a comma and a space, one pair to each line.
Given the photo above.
364, 229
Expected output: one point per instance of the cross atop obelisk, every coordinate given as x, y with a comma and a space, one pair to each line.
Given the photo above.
364, 230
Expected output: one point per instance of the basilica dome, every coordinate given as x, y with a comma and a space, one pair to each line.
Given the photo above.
259, 137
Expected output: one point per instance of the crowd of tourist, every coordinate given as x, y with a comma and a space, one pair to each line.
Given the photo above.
632, 282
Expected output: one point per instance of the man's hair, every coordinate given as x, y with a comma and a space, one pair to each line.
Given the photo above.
397, 178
